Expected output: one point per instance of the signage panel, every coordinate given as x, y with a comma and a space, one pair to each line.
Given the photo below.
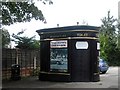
58, 44
82, 45
58, 56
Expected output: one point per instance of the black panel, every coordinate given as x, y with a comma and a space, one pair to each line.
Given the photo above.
80, 63
94, 60
69, 34
44, 56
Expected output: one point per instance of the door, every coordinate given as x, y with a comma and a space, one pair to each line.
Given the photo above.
80, 60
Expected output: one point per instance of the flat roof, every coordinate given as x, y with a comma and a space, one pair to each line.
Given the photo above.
68, 28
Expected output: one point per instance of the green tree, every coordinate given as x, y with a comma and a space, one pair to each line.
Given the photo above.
118, 36
108, 27
24, 42
13, 12
108, 40
5, 38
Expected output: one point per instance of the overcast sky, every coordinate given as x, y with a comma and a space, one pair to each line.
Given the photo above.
67, 13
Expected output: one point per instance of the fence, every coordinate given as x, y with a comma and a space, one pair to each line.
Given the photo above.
29, 61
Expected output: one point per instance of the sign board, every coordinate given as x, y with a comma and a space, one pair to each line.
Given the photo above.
98, 46
82, 45
58, 56
58, 44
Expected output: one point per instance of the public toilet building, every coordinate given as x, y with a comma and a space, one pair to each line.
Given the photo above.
69, 54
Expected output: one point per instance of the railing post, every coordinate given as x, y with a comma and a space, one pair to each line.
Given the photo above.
34, 62
16, 56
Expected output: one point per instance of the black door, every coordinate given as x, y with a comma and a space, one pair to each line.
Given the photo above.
79, 60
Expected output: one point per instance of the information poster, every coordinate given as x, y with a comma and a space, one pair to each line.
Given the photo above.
58, 56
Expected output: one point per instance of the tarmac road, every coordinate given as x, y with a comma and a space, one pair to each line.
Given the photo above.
108, 80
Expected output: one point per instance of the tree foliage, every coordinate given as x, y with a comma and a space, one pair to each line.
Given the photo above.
108, 40
24, 42
5, 38
13, 12
118, 26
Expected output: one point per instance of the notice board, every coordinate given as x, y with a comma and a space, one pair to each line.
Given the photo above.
58, 56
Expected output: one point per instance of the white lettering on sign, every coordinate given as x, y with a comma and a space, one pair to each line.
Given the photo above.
81, 45
58, 44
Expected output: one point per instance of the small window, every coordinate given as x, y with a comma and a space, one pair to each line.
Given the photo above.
82, 45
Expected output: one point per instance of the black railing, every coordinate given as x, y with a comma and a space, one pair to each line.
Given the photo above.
29, 61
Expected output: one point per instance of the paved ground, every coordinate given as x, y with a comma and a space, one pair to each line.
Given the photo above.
108, 80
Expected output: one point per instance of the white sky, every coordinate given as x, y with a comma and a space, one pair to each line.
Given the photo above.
67, 13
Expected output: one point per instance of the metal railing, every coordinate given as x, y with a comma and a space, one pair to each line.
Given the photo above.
29, 61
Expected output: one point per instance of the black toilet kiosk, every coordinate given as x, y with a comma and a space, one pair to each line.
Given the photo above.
69, 54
